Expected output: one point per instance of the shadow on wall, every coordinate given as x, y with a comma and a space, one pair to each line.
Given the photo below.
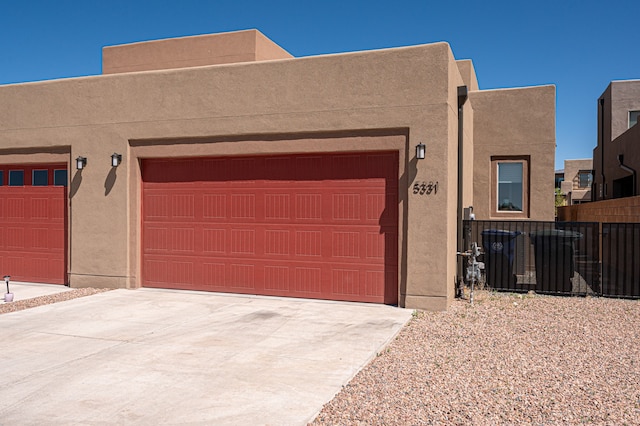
408, 178
110, 181
75, 183
412, 171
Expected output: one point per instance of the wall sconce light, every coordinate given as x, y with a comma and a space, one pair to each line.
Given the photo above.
81, 163
420, 151
116, 159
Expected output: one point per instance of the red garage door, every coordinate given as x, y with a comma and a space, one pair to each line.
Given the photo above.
321, 226
33, 200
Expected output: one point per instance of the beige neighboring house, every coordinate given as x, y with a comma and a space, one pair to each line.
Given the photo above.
222, 163
578, 177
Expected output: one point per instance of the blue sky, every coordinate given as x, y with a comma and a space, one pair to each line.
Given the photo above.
580, 46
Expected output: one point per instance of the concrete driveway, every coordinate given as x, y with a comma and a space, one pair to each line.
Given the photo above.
172, 357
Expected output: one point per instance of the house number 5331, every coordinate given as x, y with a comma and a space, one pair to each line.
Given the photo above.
425, 188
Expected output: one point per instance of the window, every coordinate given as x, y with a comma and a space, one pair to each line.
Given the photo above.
584, 179
633, 118
60, 177
16, 177
510, 188
1, 177
40, 178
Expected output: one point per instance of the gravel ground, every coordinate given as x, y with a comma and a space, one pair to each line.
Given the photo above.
508, 359
19, 305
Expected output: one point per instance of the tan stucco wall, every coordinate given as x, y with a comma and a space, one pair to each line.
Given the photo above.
625, 97
515, 122
403, 95
468, 73
571, 170
194, 51
614, 136
571, 184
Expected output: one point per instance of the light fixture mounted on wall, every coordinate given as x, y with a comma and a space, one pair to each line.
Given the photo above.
420, 151
116, 159
81, 163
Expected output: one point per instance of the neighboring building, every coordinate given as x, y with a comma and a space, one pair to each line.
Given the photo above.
221, 163
577, 179
616, 159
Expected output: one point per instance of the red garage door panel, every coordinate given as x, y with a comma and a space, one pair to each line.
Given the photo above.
322, 226
33, 223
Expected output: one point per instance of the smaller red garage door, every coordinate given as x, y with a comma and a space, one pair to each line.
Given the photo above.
33, 217
313, 226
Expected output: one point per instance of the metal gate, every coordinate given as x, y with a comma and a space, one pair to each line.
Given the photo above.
566, 258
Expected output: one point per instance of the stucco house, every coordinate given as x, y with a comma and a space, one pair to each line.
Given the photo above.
222, 163
577, 179
616, 158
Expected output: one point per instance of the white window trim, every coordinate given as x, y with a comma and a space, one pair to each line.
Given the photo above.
506, 214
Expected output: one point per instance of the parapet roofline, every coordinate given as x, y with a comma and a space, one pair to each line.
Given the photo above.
191, 51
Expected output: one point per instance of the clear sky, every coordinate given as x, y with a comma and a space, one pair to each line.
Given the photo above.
580, 46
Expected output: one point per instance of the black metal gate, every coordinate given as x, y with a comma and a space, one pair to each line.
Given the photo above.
621, 259
559, 257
